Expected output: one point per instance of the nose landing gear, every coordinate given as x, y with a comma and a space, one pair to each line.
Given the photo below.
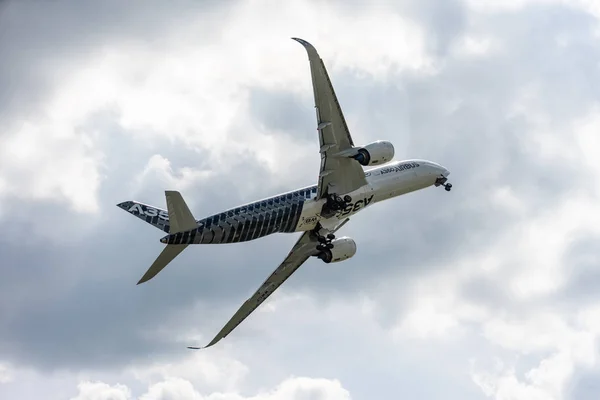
442, 182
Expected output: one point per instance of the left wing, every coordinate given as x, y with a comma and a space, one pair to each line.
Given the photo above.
339, 173
302, 250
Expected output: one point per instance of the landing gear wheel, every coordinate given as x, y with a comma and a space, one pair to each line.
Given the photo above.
448, 187
347, 198
324, 241
334, 204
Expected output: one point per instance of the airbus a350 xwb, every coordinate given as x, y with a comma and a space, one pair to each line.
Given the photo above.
318, 211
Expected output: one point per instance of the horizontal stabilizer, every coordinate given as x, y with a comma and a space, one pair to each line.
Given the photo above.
166, 256
180, 217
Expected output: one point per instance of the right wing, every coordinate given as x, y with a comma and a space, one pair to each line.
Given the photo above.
302, 250
339, 173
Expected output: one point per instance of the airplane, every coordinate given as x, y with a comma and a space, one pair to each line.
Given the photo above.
318, 211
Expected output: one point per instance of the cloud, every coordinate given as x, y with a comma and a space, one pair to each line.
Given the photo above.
124, 109
5, 373
175, 388
214, 100
102, 391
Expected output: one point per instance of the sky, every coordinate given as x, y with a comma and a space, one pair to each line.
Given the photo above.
486, 292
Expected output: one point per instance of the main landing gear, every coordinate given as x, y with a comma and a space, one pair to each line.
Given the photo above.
442, 182
335, 203
325, 242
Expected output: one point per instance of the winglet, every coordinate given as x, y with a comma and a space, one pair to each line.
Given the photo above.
309, 47
301, 41
212, 343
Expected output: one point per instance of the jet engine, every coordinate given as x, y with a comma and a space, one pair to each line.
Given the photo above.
375, 153
340, 249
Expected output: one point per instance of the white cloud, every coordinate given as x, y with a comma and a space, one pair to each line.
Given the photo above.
510, 5
562, 345
204, 371
194, 93
172, 389
102, 391
588, 143
527, 263
294, 388
48, 159
5, 373
474, 46
159, 168
495, 6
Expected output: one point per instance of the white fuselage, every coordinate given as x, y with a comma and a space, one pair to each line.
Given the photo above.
383, 183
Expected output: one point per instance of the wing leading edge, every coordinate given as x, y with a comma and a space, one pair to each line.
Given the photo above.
338, 173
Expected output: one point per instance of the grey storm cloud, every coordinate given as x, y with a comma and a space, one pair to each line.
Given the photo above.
70, 301
41, 39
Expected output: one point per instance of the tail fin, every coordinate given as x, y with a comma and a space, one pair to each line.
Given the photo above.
177, 218
180, 217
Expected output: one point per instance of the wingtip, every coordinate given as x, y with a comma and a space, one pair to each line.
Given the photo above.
142, 280
212, 343
302, 41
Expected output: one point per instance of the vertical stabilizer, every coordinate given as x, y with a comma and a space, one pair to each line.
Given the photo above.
180, 217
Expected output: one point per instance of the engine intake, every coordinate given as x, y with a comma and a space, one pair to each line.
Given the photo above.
375, 153
343, 249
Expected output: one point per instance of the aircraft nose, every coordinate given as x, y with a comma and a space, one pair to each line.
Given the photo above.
438, 170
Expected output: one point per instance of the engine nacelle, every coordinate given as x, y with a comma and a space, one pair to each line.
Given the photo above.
343, 249
375, 153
